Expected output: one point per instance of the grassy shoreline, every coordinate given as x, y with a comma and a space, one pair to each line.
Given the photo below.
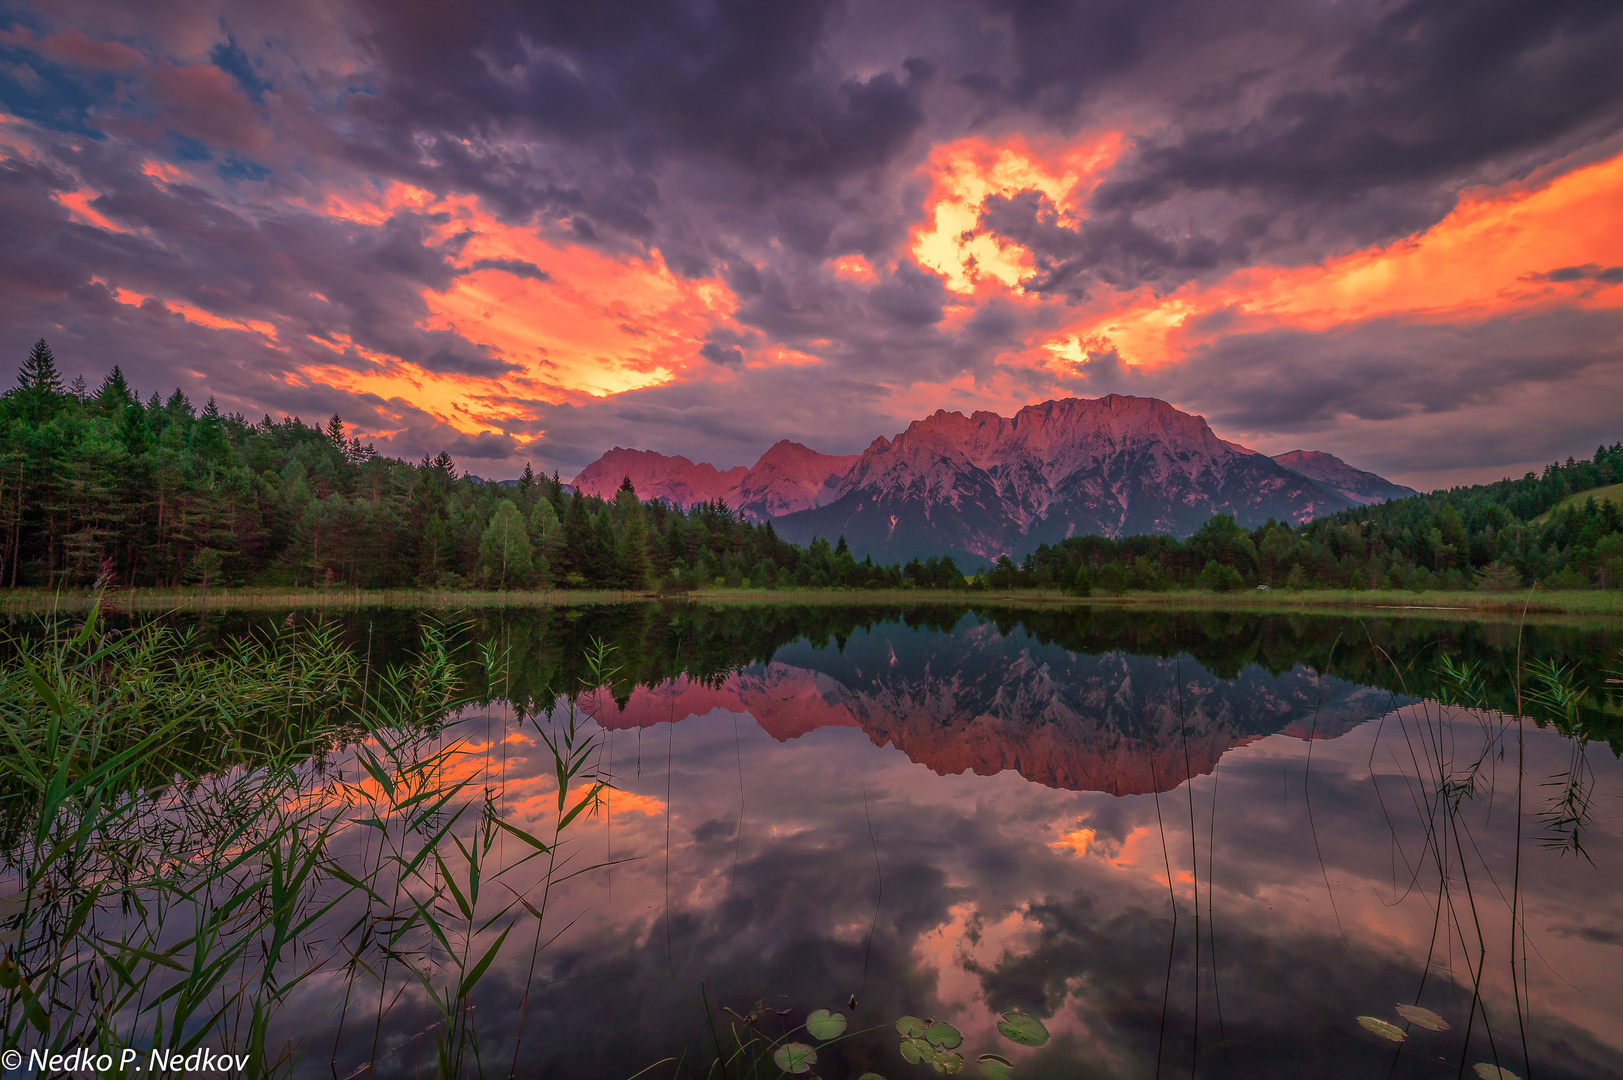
1434, 604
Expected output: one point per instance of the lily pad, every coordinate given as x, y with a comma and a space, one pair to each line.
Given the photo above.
1422, 1018
870, 1076
943, 1034
911, 1027
1493, 1072
1380, 1027
794, 1057
996, 1067
825, 1025
1026, 1030
917, 1050
948, 1062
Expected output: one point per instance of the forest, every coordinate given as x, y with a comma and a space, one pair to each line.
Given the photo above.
103, 487
99, 486
1492, 537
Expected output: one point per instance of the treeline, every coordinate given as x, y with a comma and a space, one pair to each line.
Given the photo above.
102, 486
543, 650
1495, 537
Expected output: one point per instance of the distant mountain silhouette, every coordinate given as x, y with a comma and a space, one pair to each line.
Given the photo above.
1333, 473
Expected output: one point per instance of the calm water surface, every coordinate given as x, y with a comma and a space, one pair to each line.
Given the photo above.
1191, 844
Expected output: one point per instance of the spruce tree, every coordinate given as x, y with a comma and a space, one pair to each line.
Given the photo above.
38, 375
114, 392
504, 550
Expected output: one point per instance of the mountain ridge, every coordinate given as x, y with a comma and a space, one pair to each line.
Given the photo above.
979, 486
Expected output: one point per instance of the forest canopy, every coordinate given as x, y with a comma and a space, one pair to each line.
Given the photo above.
101, 486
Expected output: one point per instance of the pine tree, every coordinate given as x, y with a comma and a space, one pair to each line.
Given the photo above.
40, 383
504, 550
38, 375
633, 537
335, 431
114, 393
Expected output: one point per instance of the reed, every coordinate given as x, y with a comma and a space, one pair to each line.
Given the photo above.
177, 825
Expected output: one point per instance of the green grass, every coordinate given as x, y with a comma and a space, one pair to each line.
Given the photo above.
1437, 603
1440, 603
26, 601
1612, 493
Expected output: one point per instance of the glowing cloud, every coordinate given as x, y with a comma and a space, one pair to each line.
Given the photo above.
1491, 256
964, 173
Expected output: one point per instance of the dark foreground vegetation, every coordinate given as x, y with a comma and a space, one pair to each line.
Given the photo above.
180, 828
105, 487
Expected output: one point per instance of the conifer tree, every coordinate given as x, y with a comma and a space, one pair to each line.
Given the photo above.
38, 374
504, 550
40, 383
633, 547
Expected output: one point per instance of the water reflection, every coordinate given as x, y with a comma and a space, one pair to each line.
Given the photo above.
948, 813
974, 699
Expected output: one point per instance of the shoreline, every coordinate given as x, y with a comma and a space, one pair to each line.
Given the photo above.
1604, 604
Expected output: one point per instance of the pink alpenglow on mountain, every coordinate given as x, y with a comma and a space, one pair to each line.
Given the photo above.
657, 476
979, 486
787, 478
984, 485
1330, 471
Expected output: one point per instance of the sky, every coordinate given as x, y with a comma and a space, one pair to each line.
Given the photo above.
535, 231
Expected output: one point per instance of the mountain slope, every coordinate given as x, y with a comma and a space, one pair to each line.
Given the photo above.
657, 476
1353, 484
983, 485
787, 478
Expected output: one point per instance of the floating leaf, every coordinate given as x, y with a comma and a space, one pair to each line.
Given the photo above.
1382, 1028
996, 1067
1422, 1018
13, 904
825, 1025
794, 1057
948, 1062
1026, 1030
1493, 1072
870, 1076
916, 1050
943, 1034
911, 1027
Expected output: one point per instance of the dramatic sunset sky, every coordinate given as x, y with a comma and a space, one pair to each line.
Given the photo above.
534, 231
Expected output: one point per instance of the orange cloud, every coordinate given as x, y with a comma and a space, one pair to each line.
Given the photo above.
1485, 258
79, 208
854, 268
966, 172
193, 314
570, 320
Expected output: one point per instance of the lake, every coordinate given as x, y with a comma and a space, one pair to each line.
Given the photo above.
1186, 843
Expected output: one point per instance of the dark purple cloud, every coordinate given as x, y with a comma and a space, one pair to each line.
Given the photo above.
757, 145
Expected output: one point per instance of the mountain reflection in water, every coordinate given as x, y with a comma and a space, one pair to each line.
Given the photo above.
975, 700
954, 816
1193, 844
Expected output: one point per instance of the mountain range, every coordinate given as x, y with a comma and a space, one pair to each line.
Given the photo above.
979, 486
